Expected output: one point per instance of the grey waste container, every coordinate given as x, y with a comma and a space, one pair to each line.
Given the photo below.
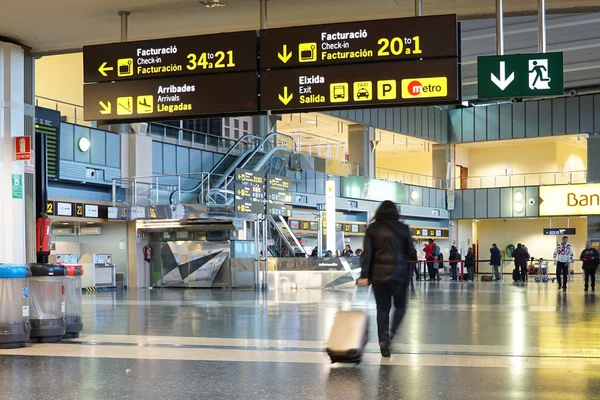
47, 302
14, 305
73, 298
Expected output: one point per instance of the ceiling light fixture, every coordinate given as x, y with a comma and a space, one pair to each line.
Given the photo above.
213, 3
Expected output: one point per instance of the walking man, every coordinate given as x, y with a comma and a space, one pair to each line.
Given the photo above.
496, 261
590, 258
563, 256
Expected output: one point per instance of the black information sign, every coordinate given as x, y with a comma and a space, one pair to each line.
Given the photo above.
249, 191
365, 41
367, 85
172, 98
170, 57
279, 209
278, 189
559, 231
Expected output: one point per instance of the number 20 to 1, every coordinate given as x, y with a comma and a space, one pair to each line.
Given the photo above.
203, 62
396, 46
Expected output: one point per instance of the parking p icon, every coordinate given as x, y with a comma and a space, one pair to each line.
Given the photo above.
386, 90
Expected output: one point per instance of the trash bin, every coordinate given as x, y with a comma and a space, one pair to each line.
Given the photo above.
47, 302
73, 295
14, 306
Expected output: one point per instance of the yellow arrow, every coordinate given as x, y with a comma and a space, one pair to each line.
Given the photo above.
285, 57
106, 108
285, 99
103, 68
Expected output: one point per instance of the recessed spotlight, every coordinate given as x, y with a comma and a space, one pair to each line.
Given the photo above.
213, 3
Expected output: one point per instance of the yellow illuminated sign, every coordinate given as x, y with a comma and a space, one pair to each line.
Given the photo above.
307, 52
424, 87
125, 67
125, 105
338, 92
145, 104
387, 90
363, 91
569, 200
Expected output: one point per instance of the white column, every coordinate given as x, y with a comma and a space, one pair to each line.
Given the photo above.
12, 120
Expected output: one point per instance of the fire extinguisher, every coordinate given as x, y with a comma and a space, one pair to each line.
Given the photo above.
42, 241
147, 253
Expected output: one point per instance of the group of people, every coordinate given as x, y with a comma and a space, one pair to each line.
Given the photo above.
434, 259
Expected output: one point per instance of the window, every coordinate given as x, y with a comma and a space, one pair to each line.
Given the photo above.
236, 123
236, 133
245, 126
227, 132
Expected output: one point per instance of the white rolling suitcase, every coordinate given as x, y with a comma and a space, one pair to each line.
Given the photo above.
349, 334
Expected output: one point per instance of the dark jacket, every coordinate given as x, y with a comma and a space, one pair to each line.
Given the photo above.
454, 256
469, 259
495, 256
521, 256
590, 258
387, 247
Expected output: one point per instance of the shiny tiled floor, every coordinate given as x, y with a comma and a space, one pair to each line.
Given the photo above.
467, 341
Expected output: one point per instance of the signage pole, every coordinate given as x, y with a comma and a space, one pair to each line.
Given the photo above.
264, 121
499, 28
256, 254
265, 283
124, 24
320, 236
542, 26
418, 8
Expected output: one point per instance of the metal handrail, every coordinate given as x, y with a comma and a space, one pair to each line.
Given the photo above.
397, 175
282, 236
579, 176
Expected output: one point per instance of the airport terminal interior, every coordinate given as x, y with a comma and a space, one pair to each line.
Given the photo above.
193, 190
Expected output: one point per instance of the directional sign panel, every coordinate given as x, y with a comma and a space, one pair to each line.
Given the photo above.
520, 75
180, 56
172, 98
367, 85
354, 42
249, 191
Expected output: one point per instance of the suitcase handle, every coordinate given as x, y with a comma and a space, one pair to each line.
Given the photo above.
355, 294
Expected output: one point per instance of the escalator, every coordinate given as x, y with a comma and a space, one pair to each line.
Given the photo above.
226, 166
283, 242
264, 158
216, 187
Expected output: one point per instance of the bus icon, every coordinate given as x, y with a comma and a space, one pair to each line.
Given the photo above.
338, 92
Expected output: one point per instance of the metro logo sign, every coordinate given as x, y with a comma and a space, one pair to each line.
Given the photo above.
424, 87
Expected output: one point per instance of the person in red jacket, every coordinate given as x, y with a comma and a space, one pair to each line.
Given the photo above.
430, 257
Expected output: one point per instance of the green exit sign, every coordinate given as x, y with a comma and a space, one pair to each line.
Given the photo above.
520, 75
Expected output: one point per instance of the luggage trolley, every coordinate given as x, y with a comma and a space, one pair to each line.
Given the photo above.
542, 271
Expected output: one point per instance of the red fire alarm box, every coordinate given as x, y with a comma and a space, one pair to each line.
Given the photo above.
23, 148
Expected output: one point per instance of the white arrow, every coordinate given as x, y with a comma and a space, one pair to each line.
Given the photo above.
503, 82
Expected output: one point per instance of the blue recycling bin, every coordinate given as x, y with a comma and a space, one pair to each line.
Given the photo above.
14, 305
47, 302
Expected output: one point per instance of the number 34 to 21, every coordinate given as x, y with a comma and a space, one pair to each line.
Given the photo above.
219, 59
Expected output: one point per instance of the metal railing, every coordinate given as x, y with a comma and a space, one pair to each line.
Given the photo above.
145, 191
538, 179
319, 146
69, 112
190, 138
409, 178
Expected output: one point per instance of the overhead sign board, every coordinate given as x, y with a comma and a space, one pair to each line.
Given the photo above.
520, 75
170, 57
357, 42
559, 231
367, 85
566, 200
172, 98
279, 189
